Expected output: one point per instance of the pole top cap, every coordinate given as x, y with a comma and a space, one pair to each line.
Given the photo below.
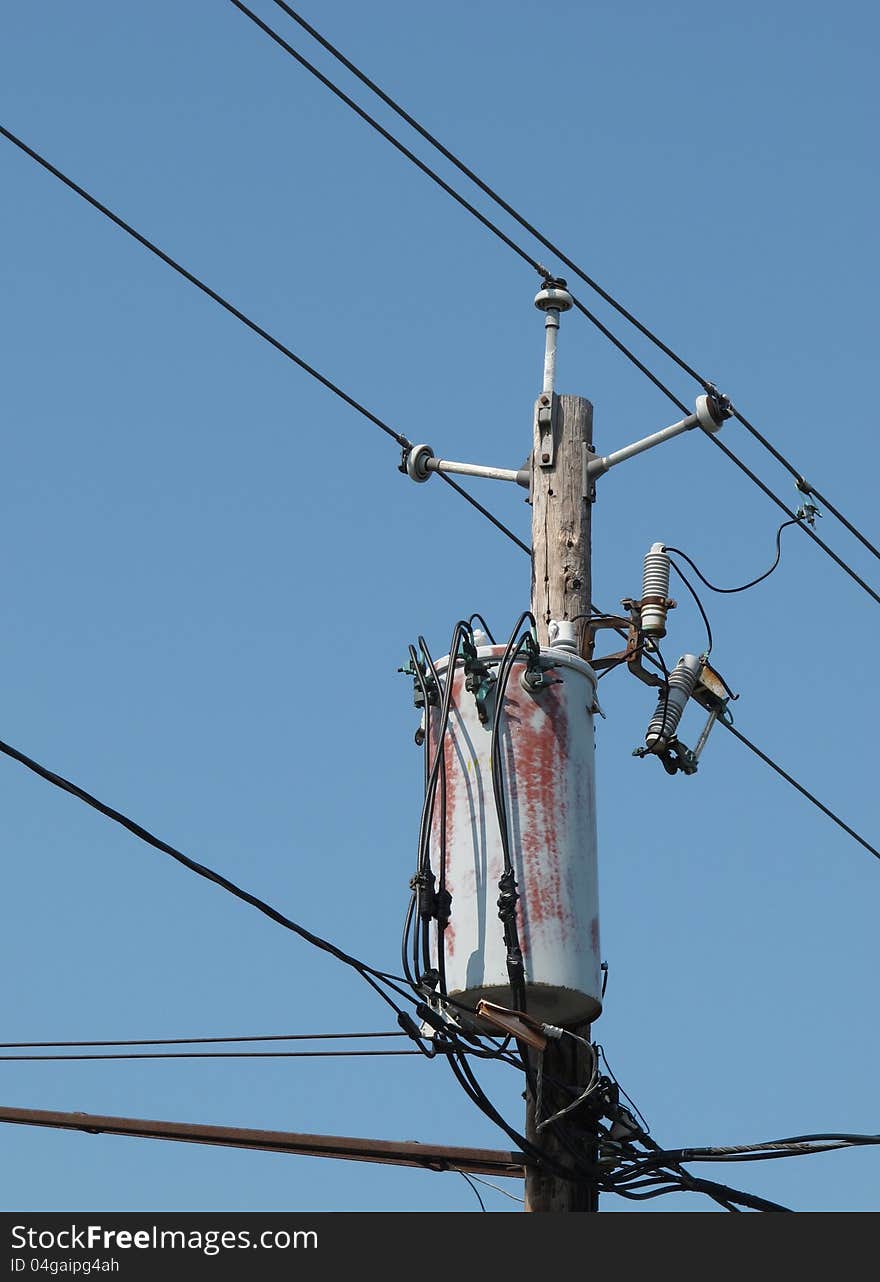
554, 297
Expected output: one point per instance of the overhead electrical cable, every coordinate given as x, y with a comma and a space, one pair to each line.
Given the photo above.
783, 507
743, 587
737, 734
109, 1055
206, 289
379, 980
534, 231
201, 285
389, 137
656, 660
369, 973
541, 269
199, 1041
343, 395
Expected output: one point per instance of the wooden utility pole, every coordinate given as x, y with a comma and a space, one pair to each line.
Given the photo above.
561, 589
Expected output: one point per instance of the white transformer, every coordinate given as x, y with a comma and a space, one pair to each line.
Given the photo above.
548, 783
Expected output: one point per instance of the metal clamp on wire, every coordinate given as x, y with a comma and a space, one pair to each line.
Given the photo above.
479, 679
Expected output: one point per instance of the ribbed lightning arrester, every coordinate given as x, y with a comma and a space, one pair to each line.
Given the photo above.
667, 714
655, 592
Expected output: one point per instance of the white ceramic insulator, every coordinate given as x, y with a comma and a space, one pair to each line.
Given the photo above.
667, 714
562, 635
655, 583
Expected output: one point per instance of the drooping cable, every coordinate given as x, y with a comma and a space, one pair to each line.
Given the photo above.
743, 587
476, 1191
783, 507
497, 1187
699, 604
804, 486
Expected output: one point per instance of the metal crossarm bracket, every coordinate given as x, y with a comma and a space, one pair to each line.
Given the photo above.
710, 412
420, 462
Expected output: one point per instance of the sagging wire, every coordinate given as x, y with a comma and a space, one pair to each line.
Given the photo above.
806, 513
687, 583
497, 1187
479, 618
464, 1175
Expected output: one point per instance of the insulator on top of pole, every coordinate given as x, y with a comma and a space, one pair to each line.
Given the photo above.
551, 300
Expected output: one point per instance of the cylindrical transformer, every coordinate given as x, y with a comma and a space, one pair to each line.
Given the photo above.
546, 756
655, 591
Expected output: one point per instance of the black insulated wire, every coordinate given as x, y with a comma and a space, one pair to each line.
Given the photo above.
484, 511
423, 869
543, 240
485, 188
239, 315
356, 405
804, 486
205, 289
389, 137
196, 1041
851, 832
687, 583
847, 569
368, 973
167, 1055
743, 587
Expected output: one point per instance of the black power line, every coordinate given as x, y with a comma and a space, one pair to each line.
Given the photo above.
350, 400
523, 222
369, 973
245, 320
199, 1041
389, 137
742, 587
872, 850
485, 512
537, 266
200, 284
36, 1059
783, 507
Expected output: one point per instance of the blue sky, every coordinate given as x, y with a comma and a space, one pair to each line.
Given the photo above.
213, 568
